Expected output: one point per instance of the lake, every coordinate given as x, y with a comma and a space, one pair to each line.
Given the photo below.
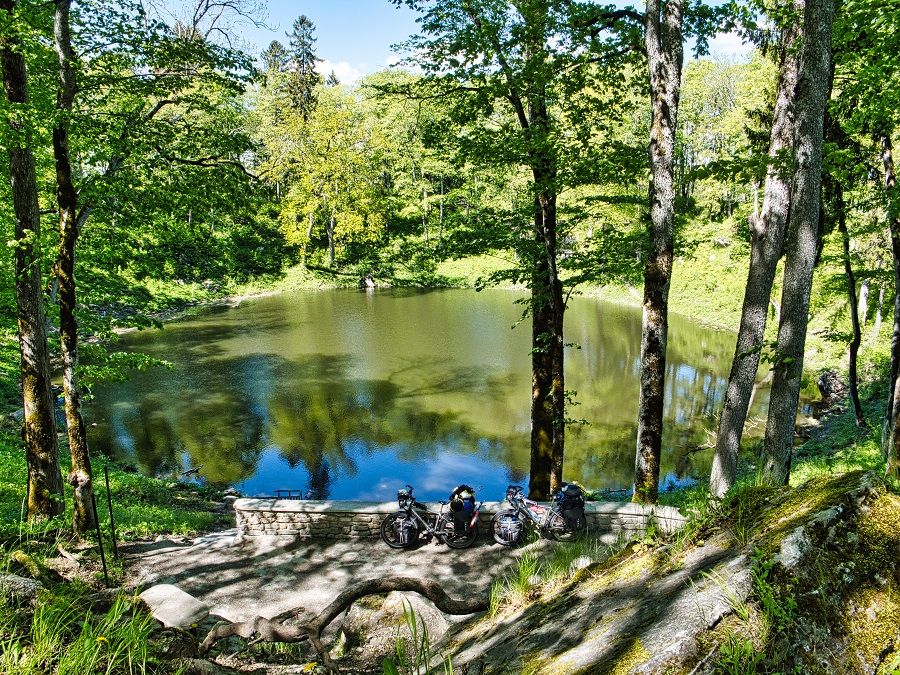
350, 394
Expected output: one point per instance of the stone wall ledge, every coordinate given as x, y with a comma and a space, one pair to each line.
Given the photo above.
358, 517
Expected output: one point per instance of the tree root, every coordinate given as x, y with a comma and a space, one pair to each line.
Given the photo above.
274, 630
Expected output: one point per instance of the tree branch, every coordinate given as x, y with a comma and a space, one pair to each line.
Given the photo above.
274, 630
208, 162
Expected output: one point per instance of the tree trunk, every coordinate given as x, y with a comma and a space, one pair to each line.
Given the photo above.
541, 382
81, 475
890, 185
425, 214
665, 50
864, 301
45, 484
766, 245
876, 326
891, 433
852, 375
441, 213
260, 629
548, 293
803, 228
309, 230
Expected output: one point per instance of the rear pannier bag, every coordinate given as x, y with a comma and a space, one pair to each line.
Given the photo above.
405, 529
572, 505
462, 506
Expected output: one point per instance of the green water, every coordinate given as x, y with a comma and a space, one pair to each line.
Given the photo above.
351, 394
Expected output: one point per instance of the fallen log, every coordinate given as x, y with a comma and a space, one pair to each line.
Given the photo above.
274, 630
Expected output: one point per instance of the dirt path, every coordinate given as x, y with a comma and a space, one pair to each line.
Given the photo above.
267, 575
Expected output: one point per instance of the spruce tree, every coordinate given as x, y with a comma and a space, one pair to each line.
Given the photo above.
304, 77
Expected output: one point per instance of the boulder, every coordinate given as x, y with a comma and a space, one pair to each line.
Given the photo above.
801, 579
19, 589
174, 608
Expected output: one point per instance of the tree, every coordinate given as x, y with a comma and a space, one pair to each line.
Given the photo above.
45, 486
766, 245
304, 77
514, 73
665, 49
81, 476
275, 57
802, 238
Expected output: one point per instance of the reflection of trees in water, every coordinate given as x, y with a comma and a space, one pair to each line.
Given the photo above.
152, 432
325, 419
221, 432
326, 424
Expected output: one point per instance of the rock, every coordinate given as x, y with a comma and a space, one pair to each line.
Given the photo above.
172, 643
425, 613
20, 589
174, 608
102, 601
823, 554
204, 667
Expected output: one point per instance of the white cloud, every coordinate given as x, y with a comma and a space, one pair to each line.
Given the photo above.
346, 73
729, 44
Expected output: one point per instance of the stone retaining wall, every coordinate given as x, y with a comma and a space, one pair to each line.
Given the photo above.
339, 519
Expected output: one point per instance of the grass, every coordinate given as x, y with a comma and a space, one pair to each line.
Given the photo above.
542, 567
142, 506
66, 638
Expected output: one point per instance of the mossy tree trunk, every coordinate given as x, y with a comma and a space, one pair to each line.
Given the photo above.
766, 246
81, 475
45, 485
665, 50
803, 229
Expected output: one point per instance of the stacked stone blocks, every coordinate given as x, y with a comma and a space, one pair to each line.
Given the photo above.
342, 519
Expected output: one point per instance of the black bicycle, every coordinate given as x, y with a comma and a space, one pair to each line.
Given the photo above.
510, 525
404, 528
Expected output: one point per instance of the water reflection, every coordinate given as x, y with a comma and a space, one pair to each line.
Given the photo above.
350, 395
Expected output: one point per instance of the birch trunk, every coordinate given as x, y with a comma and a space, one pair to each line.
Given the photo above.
766, 245
803, 225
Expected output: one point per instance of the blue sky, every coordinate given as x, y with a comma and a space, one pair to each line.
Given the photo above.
354, 37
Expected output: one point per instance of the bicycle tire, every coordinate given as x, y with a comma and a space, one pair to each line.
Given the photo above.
447, 533
389, 533
560, 530
502, 531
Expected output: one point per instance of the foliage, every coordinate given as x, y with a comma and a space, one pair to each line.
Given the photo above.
64, 638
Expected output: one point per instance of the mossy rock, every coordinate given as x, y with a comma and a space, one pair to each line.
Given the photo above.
819, 562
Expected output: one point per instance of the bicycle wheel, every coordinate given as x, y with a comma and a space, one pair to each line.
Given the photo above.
560, 530
398, 530
507, 528
446, 531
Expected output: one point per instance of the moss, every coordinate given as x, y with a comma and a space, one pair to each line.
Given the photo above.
627, 654
635, 562
792, 507
873, 625
879, 535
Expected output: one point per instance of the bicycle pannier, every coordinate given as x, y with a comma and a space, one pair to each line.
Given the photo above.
462, 506
404, 529
572, 505
510, 528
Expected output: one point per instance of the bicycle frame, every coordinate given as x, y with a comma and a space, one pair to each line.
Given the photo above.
538, 514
